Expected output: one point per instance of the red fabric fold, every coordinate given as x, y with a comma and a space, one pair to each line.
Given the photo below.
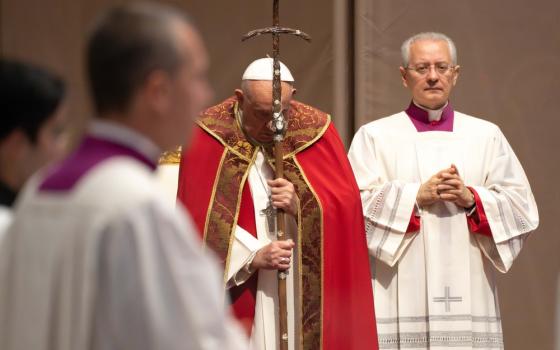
347, 282
199, 166
478, 222
244, 297
197, 173
414, 224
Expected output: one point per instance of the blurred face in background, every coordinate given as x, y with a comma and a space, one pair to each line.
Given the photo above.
21, 156
52, 140
168, 101
190, 90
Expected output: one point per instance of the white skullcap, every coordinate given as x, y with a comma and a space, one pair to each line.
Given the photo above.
261, 69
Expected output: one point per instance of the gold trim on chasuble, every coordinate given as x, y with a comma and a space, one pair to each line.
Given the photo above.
310, 244
305, 126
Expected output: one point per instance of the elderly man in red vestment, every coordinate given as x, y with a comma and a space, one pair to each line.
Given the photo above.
330, 303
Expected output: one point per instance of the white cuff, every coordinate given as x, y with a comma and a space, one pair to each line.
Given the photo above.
243, 251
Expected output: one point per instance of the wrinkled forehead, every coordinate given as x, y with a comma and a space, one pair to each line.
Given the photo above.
260, 91
430, 50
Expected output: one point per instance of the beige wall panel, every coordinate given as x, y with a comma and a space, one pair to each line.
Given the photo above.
52, 32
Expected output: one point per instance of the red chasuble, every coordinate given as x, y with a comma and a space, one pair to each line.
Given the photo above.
336, 301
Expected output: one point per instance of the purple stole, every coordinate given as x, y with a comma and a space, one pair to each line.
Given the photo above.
91, 152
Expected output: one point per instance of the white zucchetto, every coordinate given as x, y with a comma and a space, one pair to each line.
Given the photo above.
261, 69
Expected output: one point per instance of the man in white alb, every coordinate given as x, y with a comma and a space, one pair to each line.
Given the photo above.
97, 257
446, 204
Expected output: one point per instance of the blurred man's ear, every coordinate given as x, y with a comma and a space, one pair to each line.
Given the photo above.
156, 92
403, 76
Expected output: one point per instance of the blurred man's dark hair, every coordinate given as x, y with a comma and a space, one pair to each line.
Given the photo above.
29, 96
126, 45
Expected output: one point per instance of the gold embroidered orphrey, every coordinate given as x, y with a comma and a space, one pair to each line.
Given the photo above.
305, 126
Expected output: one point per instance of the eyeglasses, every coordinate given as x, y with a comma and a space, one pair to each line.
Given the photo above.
440, 68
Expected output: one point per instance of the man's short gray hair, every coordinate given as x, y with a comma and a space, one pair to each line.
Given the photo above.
434, 36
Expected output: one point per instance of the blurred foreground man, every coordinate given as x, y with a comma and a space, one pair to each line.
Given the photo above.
231, 198
96, 257
31, 127
446, 204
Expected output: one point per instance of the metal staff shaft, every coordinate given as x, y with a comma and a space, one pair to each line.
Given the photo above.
279, 166
279, 126
281, 236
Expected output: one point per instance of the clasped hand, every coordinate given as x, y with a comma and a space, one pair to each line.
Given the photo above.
447, 185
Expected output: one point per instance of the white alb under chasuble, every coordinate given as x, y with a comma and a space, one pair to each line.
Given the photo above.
436, 288
265, 333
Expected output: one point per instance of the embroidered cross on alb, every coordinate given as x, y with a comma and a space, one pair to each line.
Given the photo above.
447, 299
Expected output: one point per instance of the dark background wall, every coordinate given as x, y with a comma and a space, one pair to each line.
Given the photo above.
51, 32
509, 53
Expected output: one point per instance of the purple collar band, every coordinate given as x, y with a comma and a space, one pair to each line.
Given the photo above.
91, 152
419, 118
